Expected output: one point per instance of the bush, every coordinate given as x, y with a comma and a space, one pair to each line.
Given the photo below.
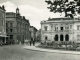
60, 45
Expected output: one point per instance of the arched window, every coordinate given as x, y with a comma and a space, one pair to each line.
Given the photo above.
61, 37
66, 37
56, 37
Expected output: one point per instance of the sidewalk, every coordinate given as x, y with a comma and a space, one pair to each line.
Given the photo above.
36, 48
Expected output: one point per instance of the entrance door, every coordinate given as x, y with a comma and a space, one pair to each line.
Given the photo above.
61, 37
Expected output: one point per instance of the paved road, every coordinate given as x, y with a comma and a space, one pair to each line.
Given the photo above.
17, 52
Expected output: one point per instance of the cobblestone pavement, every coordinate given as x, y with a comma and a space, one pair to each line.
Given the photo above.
17, 52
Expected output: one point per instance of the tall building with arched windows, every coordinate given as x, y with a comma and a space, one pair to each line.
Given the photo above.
61, 30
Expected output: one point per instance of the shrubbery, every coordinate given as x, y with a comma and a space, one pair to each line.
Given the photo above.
67, 45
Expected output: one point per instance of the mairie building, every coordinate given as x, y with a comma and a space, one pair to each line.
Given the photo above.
61, 30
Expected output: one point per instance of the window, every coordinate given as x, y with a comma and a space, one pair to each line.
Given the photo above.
56, 28
2, 23
56, 38
10, 30
61, 28
45, 28
11, 36
66, 27
11, 25
66, 37
70, 26
78, 27
6, 24
46, 38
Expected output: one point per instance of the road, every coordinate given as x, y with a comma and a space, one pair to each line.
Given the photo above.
17, 52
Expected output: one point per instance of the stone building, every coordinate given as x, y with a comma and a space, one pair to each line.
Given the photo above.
61, 30
2, 25
17, 27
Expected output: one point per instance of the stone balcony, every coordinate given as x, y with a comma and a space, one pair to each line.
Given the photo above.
58, 31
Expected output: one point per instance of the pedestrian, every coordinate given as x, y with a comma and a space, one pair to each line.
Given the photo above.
31, 40
30, 43
1, 42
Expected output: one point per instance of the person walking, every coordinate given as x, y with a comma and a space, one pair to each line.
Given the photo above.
1, 42
31, 40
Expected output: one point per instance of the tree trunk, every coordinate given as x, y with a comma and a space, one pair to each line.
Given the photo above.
65, 13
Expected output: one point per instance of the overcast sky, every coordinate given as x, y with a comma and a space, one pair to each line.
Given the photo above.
34, 10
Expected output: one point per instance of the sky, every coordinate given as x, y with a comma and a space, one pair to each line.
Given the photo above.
34, 10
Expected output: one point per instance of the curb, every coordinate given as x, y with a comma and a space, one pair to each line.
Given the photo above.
52, 51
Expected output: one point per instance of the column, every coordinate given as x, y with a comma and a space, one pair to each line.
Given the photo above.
58, 37
64, 37
51, 27
5, 39
51, 37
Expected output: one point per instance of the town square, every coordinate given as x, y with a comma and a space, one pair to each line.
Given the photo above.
40, 30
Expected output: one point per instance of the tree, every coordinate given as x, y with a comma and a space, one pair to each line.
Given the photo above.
70, 8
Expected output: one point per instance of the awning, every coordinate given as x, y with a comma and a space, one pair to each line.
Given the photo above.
3, 36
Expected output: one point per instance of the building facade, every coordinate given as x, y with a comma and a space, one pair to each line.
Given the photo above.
2, 25
17, 27
61, 30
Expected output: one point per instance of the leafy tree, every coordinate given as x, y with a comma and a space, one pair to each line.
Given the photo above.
70, 8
